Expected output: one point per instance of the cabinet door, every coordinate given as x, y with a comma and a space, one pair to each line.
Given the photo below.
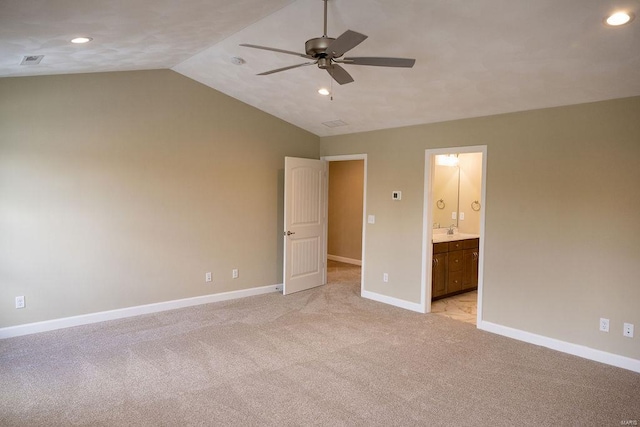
470, 269
439, 275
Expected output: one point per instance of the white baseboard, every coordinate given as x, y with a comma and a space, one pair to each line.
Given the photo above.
393, 301
563, 346
85, 319
345, 260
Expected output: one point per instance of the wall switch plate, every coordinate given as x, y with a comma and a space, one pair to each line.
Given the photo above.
604, 324
454, 215
627, 330
396, 195
20, 302
371, 219
207, 277
234, 273
385, 277
461, 216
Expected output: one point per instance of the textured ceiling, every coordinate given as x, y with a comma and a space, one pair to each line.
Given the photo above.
473, 58
128, 35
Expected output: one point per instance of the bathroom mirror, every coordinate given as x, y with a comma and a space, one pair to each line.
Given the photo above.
446, 184
457, 182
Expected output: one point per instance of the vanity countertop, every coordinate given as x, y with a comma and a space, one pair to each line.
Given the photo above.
444, 237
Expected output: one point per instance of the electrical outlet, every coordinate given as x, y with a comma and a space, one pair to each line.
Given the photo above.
234, 273
385, 277
461, 216
207, 277
20, 301
627, 330
604, 325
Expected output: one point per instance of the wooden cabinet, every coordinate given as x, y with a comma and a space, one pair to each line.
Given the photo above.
454, 278
470, 269
454, 267
439, 269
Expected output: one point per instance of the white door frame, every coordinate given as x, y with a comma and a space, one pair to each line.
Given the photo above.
364, 207
427, 227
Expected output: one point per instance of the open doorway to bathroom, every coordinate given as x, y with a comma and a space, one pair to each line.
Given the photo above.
345, 220
454, 232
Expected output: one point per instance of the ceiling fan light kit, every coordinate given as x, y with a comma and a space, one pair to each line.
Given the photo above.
325, 53
81, 40
619, 18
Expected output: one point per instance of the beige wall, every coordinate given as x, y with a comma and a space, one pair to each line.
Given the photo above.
562, 202
346, 183
122, 189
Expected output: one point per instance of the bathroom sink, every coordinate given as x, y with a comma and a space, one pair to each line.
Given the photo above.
444, 237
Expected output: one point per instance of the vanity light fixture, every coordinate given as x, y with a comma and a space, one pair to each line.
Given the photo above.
619, 18
447, 160
81, 40
323, 91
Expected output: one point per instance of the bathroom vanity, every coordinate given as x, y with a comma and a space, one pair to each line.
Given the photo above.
454, 265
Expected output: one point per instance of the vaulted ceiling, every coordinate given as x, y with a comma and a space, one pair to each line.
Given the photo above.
473, 58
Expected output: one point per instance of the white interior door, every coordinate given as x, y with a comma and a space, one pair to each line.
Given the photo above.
305, 185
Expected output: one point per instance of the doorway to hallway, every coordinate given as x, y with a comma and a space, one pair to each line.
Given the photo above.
346, 207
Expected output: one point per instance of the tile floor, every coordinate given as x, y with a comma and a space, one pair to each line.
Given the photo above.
461, 307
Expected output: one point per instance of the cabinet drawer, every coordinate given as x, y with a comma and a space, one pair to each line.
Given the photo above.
440, 248
470, 243
455, 246
455, 261
454, 282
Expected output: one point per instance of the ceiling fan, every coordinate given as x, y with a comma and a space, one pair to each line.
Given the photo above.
326, 51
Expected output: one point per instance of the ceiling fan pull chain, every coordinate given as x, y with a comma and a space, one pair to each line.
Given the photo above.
331, 84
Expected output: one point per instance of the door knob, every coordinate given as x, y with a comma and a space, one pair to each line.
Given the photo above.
289, 233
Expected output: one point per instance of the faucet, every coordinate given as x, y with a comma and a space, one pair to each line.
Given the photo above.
450, 230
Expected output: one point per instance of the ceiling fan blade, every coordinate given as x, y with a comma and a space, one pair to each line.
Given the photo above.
285, 68
380, 62
347, 41
273, 49
339, 74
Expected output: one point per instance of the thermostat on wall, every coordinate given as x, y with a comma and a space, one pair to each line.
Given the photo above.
396, 195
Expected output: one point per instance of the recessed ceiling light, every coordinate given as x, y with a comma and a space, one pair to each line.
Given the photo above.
323, 91
619, 18
81, 40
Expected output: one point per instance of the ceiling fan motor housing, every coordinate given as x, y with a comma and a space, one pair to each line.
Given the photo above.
317, 47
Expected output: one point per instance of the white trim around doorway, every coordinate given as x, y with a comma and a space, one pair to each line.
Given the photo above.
364, 207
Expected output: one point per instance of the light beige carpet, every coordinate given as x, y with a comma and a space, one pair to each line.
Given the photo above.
321, 357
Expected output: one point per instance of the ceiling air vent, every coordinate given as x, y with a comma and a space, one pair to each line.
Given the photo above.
335, 123
31, 60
